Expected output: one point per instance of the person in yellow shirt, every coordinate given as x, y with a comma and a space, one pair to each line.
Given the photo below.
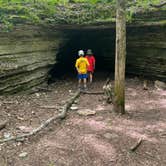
82, 66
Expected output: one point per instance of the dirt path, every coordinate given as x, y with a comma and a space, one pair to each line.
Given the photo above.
103, 139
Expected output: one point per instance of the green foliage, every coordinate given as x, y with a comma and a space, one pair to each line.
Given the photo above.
64, 11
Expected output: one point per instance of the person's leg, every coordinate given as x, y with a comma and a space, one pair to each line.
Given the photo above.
85, 76
85, 86
79, 83
90, 77
79, 80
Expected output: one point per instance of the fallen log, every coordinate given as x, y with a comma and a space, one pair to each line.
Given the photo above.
3, 124
61, 116
136, 145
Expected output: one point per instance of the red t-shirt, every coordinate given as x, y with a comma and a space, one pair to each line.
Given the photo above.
91, 60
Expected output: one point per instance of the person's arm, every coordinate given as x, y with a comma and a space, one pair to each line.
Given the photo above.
94, 62
77, 65
87, 63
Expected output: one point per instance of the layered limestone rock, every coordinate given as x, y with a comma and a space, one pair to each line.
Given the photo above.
26, 56
146, 52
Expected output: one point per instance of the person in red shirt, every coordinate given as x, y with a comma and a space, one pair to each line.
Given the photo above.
91, 59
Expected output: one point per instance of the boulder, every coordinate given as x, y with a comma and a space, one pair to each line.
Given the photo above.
160, 85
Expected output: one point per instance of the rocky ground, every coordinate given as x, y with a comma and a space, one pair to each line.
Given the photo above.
100, 139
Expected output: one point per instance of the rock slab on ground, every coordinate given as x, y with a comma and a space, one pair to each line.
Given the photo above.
86, 112
110, 135
160, 85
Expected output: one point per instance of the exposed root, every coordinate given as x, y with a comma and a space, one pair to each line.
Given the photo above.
61, 116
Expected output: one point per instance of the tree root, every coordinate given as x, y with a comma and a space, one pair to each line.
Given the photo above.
61, 116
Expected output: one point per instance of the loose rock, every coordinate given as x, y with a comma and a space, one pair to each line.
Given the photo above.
86, 112
23, 155
7, 135
74, 108
160, 85
25, 129
110, 135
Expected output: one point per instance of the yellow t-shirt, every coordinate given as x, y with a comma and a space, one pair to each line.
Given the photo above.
81, 65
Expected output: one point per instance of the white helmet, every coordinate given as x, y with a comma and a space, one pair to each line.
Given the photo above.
81, 52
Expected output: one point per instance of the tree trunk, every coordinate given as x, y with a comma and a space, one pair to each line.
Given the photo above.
120, 60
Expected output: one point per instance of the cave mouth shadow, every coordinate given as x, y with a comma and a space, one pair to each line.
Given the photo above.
102, 43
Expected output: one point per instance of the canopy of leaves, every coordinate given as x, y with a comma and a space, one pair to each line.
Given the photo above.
65, 11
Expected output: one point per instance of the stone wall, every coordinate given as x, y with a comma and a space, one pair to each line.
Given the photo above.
28, 53
26, 56
146, 51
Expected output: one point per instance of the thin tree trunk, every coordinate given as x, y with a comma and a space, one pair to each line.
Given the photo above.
120, 60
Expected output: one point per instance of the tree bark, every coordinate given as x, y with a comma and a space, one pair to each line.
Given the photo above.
120, 60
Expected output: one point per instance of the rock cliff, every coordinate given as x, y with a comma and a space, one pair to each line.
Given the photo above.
28, 53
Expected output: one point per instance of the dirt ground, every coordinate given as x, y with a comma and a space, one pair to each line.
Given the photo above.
103, 139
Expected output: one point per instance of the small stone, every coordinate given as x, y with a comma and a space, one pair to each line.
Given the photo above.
37, 95
25, 129
86, 112
110, 135
74, 105
19, 143
70, 91
23, 155
76, 101
7, 135
74, 108
20, 118
160, 85
8, 114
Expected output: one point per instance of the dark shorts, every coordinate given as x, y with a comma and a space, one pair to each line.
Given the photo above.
82, 76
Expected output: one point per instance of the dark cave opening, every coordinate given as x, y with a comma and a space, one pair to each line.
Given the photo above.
145, 51
102, 43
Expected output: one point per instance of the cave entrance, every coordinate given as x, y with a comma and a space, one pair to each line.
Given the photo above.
102, 43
